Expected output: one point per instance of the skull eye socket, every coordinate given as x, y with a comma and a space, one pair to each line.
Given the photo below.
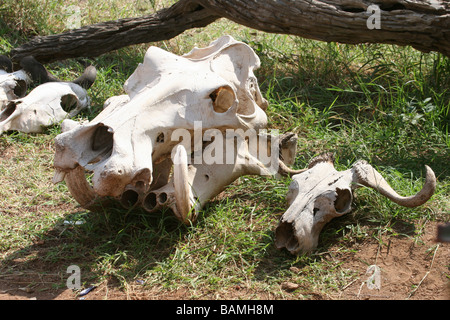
69, 102
20, 89
343, 200
102, 138
222, 99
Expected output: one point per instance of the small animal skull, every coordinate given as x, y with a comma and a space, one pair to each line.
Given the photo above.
322, 193
48, 103
13, 85
45, 105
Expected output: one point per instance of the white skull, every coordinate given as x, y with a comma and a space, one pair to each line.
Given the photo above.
192, 186
129, 144
47, 104
13, 85
321, 193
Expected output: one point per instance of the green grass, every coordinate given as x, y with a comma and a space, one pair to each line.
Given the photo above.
385, 104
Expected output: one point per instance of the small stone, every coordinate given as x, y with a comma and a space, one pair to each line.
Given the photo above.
27, 289
294, 269
289, 286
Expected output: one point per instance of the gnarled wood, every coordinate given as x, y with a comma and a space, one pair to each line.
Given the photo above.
96, 39
422, 24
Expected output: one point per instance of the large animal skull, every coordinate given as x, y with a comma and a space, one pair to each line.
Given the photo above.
321, 193
128, 146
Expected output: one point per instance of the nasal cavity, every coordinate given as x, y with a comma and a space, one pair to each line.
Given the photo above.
102, 139
285, 236
129, 198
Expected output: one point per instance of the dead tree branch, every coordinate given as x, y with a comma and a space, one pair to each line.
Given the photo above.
422, 24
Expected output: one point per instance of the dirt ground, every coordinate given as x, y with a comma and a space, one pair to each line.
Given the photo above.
407, 270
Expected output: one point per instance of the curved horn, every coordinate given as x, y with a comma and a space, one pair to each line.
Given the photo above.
5, 64
87, 78
285, 171
369, 177
36, 70
40, 75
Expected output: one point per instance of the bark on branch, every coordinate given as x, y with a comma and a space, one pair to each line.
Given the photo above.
94, 40
422, 24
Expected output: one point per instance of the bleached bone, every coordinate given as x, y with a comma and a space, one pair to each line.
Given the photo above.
202, 182
122, 145
13, 85
322, 193
47, 104
116, 102
192, 186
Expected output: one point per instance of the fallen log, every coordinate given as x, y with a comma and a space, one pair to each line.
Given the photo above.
422, 24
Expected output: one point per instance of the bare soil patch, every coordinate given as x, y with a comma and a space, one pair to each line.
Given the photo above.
408, 269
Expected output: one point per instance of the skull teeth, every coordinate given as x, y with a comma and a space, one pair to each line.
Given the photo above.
181, 184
